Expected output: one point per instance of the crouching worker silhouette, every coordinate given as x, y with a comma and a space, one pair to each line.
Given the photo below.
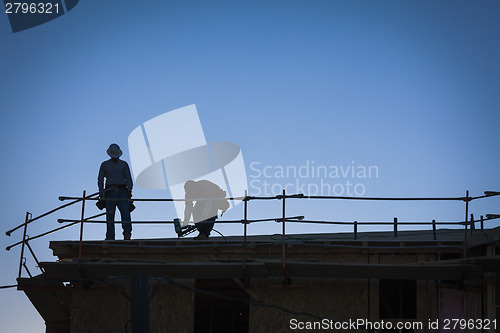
209, 198
118, 186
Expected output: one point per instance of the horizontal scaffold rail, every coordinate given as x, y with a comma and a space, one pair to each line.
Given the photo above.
245, 221
294, 196
95, 196
299, 219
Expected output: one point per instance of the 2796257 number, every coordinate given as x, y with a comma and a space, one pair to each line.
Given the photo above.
472, 324
31, 8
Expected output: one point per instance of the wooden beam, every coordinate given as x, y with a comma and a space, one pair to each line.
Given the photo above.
69, 270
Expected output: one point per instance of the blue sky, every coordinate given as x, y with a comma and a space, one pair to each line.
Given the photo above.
411, 87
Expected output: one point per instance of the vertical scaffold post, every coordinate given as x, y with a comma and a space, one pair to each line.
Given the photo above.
81, 226
395, 227
467, 198
355, 230
283, 247
26, 220
434, 229
245, 212
472, 222
482, 223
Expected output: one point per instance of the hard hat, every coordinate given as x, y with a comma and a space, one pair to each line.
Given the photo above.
114, 151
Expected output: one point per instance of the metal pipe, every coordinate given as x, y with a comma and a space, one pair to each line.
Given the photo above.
49, 212
355, 230
264, 198
26, 268
372, 223
287, 219
81, 227
53, 230
86, 219
395, 227
301, 196
283, 246
245, 217
466, 222
276, 219
28, 214
125, 199
381, 198
34, 256
434, 229
148, 200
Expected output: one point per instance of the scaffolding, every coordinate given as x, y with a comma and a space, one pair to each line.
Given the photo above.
469, 224
139, 271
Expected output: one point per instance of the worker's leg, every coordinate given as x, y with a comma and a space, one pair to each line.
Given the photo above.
110, 214
123, 206
205, 227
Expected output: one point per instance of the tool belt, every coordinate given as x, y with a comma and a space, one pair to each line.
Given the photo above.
117, 186
101, 203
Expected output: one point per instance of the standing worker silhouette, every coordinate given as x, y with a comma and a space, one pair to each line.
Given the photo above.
118, 189
209, 198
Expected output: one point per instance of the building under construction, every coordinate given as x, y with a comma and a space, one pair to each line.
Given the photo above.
433, 280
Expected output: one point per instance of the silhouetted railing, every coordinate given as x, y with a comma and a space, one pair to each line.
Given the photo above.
245, 221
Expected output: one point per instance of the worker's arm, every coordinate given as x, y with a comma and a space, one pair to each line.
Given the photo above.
100, 178
128, 177
188, 210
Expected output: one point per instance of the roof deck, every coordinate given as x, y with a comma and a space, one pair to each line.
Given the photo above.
410, 255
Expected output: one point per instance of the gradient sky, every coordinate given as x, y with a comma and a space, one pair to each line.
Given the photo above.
411, 87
